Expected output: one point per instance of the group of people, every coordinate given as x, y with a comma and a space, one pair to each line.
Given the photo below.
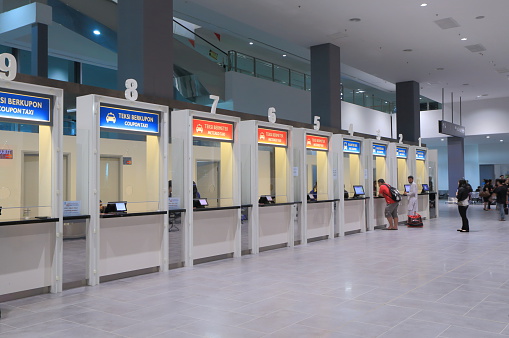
391, 209
490, 193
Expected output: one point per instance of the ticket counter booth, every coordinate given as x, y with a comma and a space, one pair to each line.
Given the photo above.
271, 180
353, 178
316, 194
121, 147
210, 184
421, 176
404, 168
379, 166
30, 191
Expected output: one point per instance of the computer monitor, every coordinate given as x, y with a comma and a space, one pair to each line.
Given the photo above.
112, 207
266, 199
407, 188
311, 197
358, 190
200, 203
425, 187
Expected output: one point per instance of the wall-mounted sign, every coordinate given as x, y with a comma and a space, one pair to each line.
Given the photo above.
127, 160
273, 137
379, 149
72, 208
351, 146
32, 108
129, 119
6, 154
401, 152
420, 155
213, 129
317, 142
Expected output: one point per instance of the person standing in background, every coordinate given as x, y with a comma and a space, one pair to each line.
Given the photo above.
462, 196
501, 192
412, 197
486, 199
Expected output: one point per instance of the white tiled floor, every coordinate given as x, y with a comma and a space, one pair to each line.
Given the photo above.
423, 282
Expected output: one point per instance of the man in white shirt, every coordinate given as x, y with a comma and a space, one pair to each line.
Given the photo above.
412, 197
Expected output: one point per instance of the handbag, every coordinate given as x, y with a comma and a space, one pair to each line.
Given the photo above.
484, 194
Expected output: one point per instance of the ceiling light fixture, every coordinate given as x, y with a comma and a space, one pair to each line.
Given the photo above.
250, 42
479, 17
488, 136
355, 19
442, 139
463, 39
424, 5
440, 68
284, 55
408, 50
501, 140
97, 32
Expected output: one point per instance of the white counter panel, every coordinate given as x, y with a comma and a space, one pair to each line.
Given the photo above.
214, 232
319, 219
355, 215
274, 224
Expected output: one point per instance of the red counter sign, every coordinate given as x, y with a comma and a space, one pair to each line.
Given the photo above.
317, 142
272, 136
213, 129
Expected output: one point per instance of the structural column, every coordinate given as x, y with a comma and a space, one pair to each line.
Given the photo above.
326, 84
39, 56
456, 159
408, 115
145, 46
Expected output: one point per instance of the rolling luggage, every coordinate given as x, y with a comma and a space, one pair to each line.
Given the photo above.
414, 221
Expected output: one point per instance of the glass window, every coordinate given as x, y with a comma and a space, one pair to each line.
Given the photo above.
352, 172
213, 172
98, 76
317, 174
245, 64
272, 173
264, 70
297, 79
281, 75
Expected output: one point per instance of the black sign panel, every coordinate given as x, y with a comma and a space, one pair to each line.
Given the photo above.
451, 129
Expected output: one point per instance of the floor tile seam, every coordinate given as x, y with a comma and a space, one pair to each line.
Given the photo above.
96, 328
319, 328
107, 313
176, 330
447, 328
232, 326
506, 327
62, 329
482, 319
473, 307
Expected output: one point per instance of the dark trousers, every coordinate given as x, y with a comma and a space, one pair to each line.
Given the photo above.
464, 219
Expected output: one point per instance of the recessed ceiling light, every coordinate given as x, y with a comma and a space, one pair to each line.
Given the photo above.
463, 39
466, 84
501, 140
250, 42
284, 55
355, 19
424, 5
97, 32
442, 139
479, 17
408, 50
488, 136
360, 91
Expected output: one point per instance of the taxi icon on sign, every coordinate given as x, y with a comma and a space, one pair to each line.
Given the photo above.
111, 118
262, 136
199, 128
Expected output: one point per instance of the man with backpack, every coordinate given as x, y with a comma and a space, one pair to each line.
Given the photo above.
392, 197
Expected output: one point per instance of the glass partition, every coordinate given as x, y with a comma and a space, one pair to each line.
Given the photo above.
213, 172
176, 201
352, 172
317, 174
245, 192
420, 174
272, 173
127, 166
402, 173
379, 171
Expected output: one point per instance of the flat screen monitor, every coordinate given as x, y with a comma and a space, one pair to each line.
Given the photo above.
358, 190
425, 187
266, 199
311, 197
200, 203
120, 206
407, 188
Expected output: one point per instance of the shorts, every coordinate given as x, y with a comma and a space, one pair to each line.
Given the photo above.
391, 210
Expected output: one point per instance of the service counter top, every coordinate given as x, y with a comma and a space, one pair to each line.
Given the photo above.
357, 198
324, 201
217, 208
172, 211
28, 221
133, 214
278, 204
77, 217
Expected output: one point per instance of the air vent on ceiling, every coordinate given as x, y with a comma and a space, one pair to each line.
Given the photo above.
476, 48
447, 23
502, 70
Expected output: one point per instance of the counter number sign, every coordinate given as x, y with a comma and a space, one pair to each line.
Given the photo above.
8, 67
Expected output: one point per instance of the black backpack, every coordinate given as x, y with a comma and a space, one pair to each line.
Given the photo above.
395, 195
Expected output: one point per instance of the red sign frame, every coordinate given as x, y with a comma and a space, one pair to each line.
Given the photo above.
317, 142
213, 129
273, 137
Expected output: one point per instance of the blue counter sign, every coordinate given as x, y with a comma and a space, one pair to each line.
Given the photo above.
350, 146
127, 119
401, 152
420, 155
32, 108
379, 149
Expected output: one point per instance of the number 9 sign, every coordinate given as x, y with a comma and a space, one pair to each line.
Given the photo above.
8, 67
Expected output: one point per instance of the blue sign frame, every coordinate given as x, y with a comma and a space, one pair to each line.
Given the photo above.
25, 107
420, 155
401, 152
351, 146
131, 120
379, 149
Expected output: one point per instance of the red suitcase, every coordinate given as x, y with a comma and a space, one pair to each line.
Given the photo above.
414, 221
